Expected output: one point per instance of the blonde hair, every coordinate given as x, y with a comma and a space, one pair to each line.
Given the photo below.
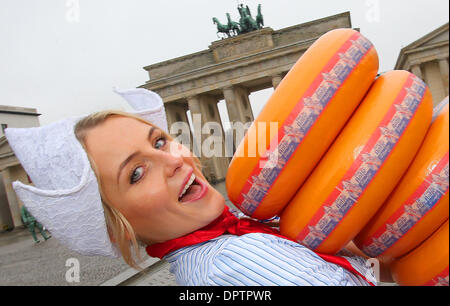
118, 226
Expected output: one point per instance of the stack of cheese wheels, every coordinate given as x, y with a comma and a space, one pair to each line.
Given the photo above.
426, 265
300, 121
362, 166
418, 205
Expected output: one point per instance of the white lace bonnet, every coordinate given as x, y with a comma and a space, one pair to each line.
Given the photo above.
65, 197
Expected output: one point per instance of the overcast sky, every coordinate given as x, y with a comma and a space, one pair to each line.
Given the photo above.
62, 57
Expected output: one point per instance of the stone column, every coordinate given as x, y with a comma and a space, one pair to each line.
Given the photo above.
238, 104
239, 111
178, 123
443, 67
276, 80
233, 116
13, 201
231, 103
245, 105
170, 114
6, 221
208, 136
216, 138
196, 116
415, 69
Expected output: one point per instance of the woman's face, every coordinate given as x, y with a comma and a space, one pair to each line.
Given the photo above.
143, 175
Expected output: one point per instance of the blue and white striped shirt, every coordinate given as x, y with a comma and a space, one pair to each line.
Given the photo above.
259, 259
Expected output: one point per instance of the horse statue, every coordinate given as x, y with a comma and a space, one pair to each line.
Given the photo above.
221, 28
260, 18
246, 21
234, 27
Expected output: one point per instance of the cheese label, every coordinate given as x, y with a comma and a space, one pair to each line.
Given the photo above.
439, 280
302, 118
365, 167
412, 211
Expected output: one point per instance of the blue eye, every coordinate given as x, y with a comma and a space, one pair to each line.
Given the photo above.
136, 175
160, 142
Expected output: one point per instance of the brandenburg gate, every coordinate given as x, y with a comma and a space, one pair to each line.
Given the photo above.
230, 69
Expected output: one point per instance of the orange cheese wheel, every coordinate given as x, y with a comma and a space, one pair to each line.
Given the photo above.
426, 265
300, 121
362, 166
418, 205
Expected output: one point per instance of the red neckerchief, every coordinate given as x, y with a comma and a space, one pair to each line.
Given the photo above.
229, 224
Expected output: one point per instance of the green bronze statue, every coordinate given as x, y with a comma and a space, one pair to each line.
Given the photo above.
31, 223
221, 28
260, 18
234, 27
246, 22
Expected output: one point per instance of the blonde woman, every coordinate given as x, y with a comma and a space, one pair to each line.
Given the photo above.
135, 184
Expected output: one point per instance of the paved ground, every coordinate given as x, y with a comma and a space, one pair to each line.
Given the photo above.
22, 262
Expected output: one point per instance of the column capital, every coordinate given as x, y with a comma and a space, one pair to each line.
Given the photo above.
415, 63
191, 97
276, 80
229, 94
417, 71
194, 104
277, 74
228, 87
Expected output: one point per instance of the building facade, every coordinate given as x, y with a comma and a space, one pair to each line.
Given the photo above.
427, 58
10, 168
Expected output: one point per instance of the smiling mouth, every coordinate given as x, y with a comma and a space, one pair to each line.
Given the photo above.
193, 190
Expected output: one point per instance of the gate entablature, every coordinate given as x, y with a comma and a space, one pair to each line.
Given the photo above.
243, 58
